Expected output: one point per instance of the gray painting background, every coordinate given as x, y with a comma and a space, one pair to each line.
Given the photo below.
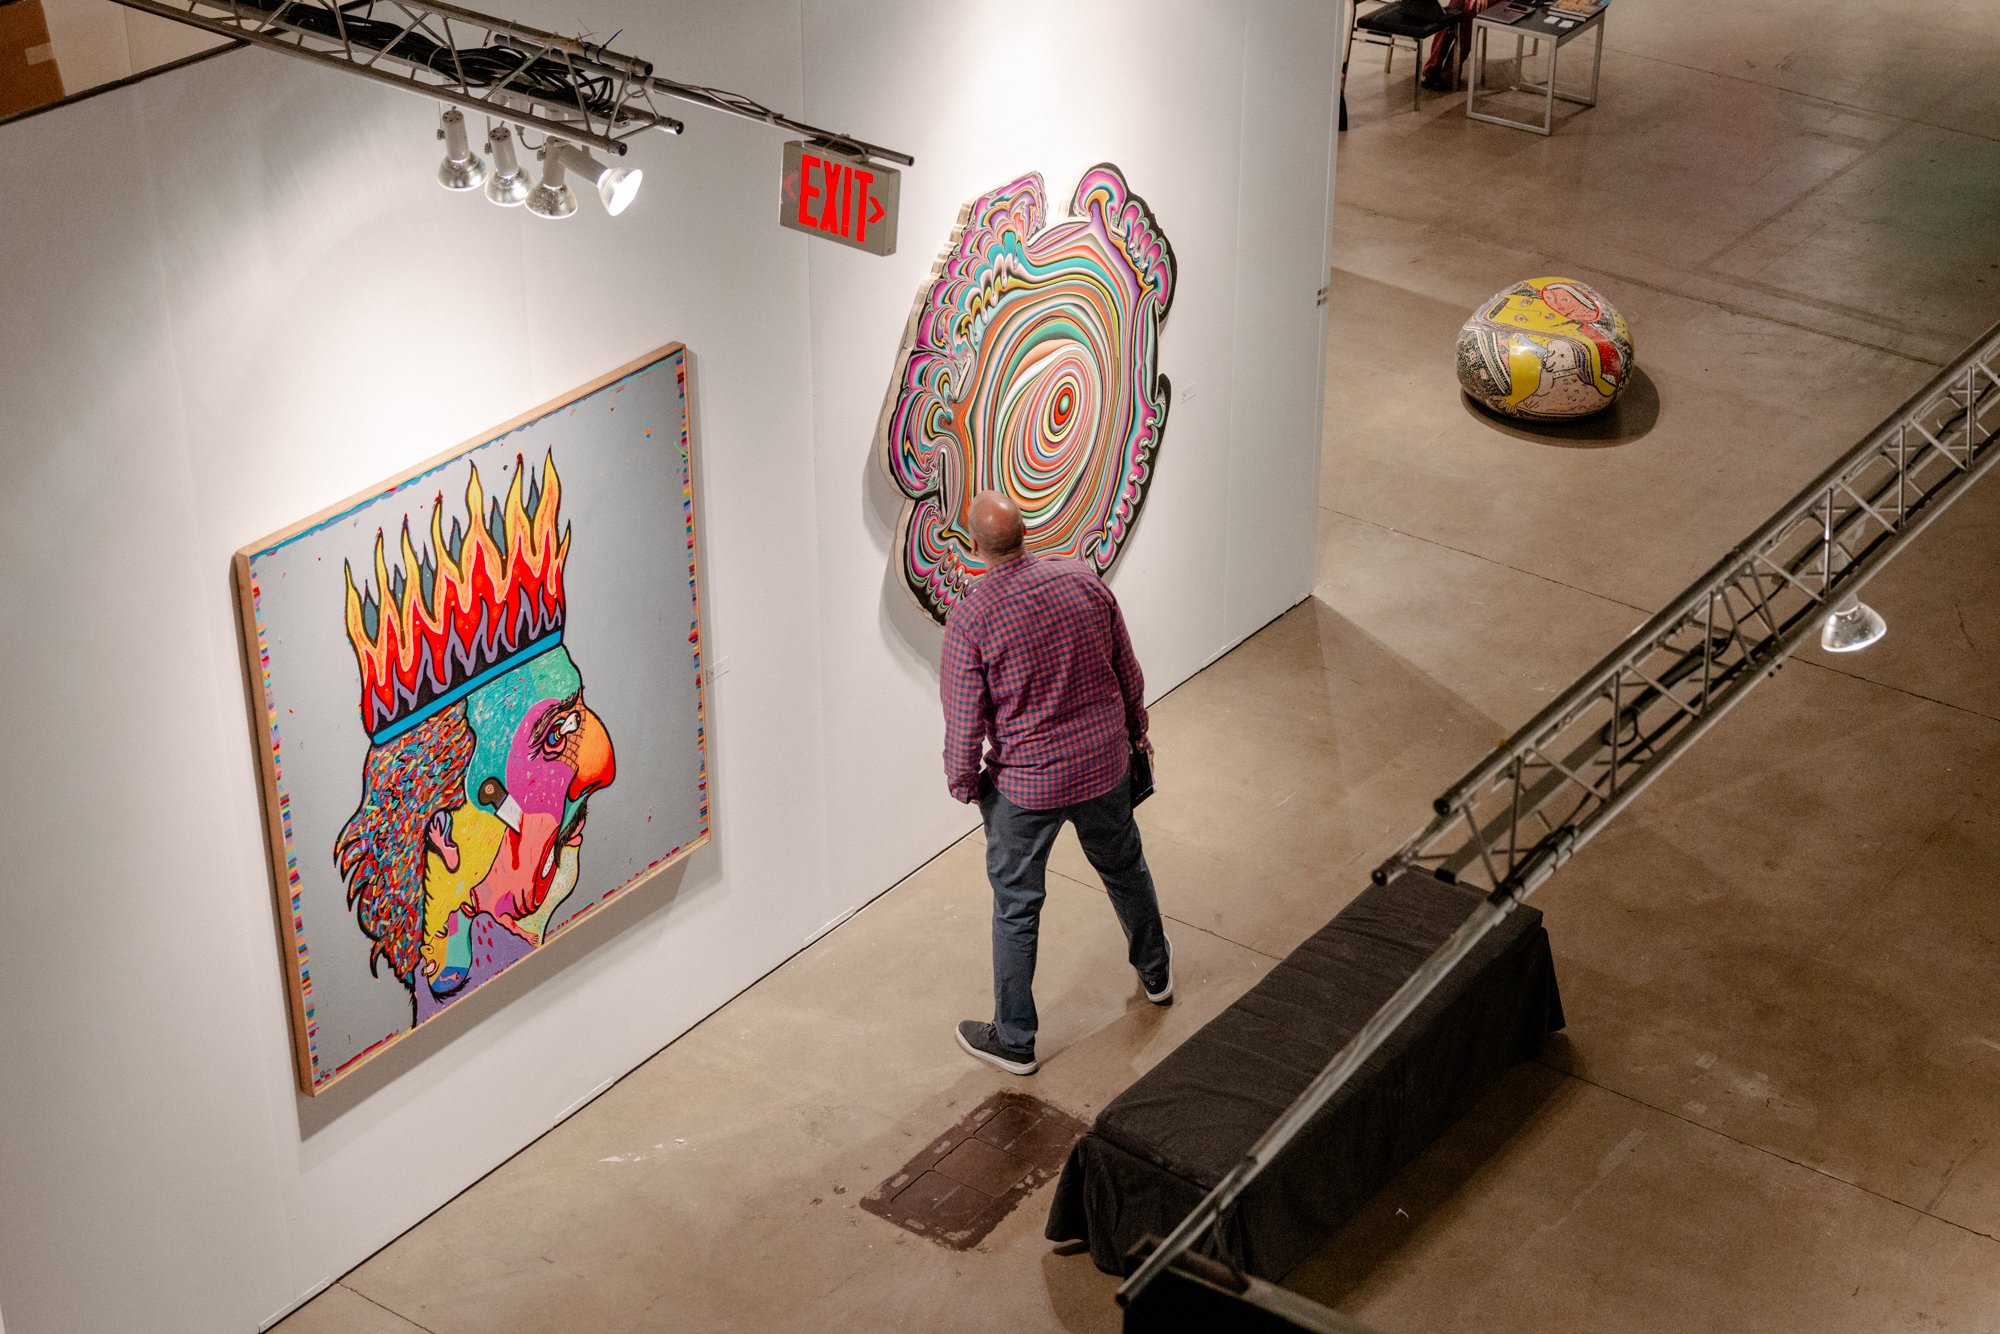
628, 603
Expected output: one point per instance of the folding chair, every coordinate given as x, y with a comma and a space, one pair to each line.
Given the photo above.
1394, 23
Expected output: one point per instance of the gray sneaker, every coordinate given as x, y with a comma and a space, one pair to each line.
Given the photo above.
983, 1041
1164, 995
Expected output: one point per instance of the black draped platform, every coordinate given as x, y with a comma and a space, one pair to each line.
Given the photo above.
1160, 1146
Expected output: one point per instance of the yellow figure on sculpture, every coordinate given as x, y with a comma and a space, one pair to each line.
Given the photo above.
1549, 348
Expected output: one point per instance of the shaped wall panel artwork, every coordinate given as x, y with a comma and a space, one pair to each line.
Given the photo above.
480, 693
1031, 366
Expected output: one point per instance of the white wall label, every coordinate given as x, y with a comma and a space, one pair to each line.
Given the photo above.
839, 198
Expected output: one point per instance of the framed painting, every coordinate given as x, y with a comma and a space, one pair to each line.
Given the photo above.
479, 698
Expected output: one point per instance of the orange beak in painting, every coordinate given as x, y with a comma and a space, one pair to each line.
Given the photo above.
596, 765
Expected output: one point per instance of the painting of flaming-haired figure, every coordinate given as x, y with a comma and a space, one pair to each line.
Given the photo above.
482, 753
461, 837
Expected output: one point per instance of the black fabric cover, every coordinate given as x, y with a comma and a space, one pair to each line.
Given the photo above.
1158, 1148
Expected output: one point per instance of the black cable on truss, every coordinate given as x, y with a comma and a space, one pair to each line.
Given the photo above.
538, 77
591, 92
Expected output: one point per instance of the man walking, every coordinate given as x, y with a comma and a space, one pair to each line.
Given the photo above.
1037, 662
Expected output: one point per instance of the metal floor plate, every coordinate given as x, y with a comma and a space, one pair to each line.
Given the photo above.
973, 1175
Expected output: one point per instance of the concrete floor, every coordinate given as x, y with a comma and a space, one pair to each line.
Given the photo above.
1774, 1106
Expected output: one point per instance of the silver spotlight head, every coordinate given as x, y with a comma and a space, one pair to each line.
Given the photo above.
616, 186
552, 198
1853, 625
462, 169
508, 185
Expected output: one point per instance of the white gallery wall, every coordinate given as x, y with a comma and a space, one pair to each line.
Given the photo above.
233, 295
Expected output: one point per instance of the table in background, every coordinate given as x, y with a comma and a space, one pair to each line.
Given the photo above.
1532, 28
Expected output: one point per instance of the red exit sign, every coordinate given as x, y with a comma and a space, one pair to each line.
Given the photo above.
840, 198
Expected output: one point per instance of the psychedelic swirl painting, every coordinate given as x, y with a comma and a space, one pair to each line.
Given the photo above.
1031, 366
444, 664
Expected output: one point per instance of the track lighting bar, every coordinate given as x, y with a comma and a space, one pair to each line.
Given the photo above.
1523, 811
576, 90
735, 104
554, 84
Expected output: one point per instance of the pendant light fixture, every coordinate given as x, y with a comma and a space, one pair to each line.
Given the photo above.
1853, 625
508, 185
462, 169
552, 198
617, 187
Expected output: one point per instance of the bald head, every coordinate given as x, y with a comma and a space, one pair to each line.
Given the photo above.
996, 526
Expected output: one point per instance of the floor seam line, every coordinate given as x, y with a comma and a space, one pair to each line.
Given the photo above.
1648, 611
1755, 284
1668, 289
1178, 921
1767, 1151
1262, 954
1707, 262
1419, 537
1900, 690
1950, 1172
383, 1306
1811, 97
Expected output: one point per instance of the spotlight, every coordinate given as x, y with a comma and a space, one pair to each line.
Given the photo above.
552, 198
1852, 626
508, 185
616, 186
462, 169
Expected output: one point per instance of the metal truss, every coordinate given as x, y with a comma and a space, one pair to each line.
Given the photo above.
508, 71
1528, 807
567, 87
1523, 811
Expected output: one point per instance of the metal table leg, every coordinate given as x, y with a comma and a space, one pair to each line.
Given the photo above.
1596, 67
1545, 88
1596, 63
1549, 103
1475, 61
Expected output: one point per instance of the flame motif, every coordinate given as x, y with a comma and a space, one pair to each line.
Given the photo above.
464, 606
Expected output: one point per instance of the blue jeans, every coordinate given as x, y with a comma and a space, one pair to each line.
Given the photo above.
1017, 858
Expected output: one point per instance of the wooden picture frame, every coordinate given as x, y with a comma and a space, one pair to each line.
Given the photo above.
476, 709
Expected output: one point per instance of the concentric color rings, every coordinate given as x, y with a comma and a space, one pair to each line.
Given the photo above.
1033, 369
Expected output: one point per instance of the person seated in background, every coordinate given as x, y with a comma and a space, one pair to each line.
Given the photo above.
1449, 48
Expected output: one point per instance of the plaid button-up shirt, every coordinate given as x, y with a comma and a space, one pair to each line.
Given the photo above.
1037, 661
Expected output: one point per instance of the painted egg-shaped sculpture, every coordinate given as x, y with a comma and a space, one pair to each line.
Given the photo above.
1549, 348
